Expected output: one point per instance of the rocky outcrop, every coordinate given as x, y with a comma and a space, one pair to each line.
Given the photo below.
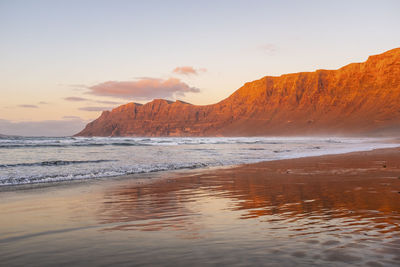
360, 98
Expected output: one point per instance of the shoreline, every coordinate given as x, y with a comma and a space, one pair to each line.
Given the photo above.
157, 174
153, 177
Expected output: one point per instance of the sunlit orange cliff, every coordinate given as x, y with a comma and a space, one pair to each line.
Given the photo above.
360, 98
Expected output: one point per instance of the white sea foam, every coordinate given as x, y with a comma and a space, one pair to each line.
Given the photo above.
25, 160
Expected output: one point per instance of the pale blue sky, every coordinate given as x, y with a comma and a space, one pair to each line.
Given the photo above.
47, 46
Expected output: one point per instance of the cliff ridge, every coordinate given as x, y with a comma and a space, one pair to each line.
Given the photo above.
357, 99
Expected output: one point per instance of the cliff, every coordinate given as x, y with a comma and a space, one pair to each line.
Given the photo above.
360, 98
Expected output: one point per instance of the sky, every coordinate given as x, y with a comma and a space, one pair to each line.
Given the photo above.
63, 62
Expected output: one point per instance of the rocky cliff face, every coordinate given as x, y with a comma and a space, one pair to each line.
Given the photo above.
360, 98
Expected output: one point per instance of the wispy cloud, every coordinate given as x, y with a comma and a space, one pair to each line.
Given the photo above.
269, 48
95, 108
145, 88
108, 102
82, 99
28, 106
77, 85
188, 70
43, 103
71, 118
75, 99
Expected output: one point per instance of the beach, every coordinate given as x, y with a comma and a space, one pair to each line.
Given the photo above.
199, 133
331, 210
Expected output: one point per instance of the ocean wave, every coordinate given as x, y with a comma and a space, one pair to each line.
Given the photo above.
282, 151
53, 163
33, 145
21, 180
84, 158
30, 144
43, 142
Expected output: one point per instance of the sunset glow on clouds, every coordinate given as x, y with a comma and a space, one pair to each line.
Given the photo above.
75, 99
188, 70
144, 89
62, 58
28, 106
95, 108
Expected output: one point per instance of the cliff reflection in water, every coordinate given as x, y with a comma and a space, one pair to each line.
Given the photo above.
343, 212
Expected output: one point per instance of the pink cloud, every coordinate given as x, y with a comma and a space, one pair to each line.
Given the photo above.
81, 99
71, 118
75, 99
95, 108
188, 70
108, 102
269, 48
145, 88
28, 106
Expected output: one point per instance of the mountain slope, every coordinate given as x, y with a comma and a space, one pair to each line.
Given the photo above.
360, 98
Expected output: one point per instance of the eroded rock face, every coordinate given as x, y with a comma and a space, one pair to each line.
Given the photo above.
360, 98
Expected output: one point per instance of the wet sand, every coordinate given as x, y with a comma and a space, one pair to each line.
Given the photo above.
332, 210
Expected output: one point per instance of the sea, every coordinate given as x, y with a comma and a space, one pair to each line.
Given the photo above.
33, 160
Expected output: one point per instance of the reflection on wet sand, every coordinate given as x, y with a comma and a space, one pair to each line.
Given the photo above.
327, 209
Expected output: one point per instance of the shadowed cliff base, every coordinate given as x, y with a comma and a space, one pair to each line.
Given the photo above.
357, 99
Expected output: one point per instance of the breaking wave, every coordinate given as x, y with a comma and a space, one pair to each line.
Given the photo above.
53, 163
30, 160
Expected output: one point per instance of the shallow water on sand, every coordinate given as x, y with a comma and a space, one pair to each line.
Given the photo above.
245, 216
